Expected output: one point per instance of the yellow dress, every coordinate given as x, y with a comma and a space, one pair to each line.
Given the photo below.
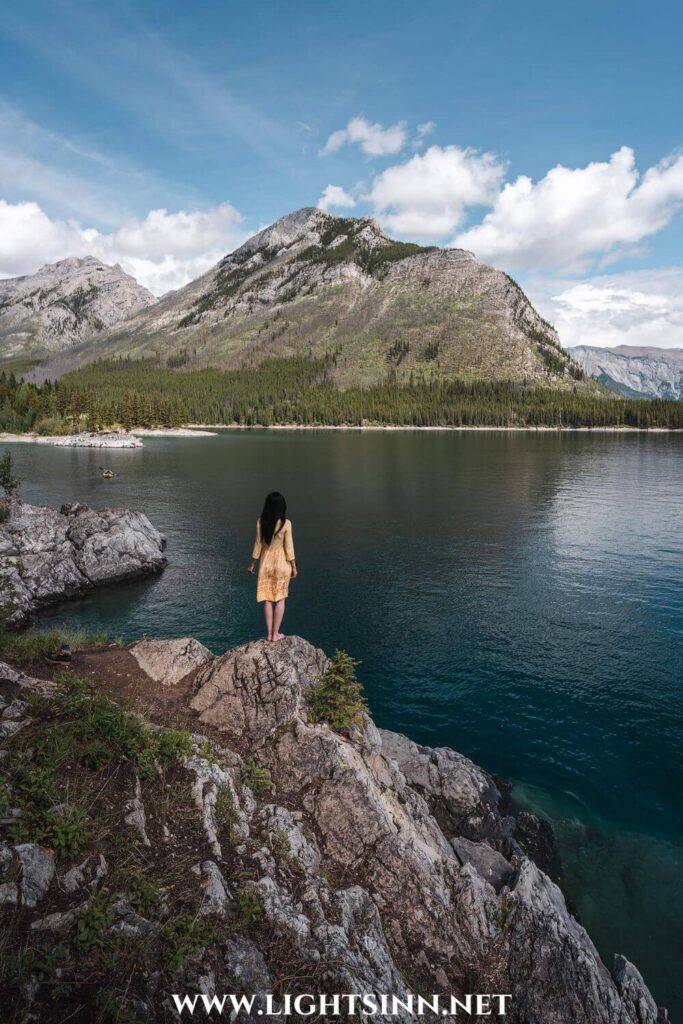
274, 571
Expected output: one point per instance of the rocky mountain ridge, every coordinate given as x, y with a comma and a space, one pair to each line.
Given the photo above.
63, 303
635, 372
268, 853
316, 285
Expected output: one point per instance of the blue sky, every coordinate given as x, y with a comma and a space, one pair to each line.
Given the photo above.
544, 137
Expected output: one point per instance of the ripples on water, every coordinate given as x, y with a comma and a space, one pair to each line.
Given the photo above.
515, 596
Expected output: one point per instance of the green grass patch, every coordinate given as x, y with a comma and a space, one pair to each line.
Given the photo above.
249, 910
34, 645
257, 779
183, 939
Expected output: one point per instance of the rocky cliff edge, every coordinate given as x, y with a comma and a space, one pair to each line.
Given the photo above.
313, 860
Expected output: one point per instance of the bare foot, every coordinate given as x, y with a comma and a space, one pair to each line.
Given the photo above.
279, 636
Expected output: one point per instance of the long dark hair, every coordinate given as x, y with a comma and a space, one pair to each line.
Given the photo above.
274, 512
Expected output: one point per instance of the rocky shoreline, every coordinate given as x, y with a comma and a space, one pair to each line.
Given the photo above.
47, 556
104, 439
348, 861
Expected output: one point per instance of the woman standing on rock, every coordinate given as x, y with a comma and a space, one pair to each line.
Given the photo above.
275, 547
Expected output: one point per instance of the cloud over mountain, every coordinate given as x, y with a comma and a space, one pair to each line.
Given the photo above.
575, 214
162, 250
427, 196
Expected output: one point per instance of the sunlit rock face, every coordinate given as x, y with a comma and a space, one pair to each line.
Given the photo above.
63, 303
632, 371
47, 555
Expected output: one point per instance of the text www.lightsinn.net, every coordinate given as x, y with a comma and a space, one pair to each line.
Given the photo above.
348, 1004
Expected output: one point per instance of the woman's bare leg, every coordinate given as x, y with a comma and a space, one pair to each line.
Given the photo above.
268, 612
278, 613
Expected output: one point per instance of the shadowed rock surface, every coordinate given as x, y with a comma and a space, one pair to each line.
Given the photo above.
47, 556
357, 862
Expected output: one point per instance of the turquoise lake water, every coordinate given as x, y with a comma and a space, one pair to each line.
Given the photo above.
516, 596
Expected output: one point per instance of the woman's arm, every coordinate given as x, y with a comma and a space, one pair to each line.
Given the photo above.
256, 552
289, 549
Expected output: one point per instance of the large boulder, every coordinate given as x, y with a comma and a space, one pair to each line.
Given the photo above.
47, 556
253, 690
170, 661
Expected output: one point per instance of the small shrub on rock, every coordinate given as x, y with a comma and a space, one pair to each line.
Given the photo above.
8, 481
258, 779
248, 907
338, 698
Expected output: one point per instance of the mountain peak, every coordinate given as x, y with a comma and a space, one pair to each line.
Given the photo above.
65, 302
296, 227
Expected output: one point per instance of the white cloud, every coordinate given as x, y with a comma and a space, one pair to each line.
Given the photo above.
423, 130
373, 139
573, 215
162, 250
640, 307
427, 196
335, 195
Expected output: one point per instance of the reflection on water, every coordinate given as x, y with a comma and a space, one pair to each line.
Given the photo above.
515, 596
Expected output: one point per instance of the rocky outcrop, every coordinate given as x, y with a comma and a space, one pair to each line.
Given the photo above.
47, 556
110, 439
169, 661
421, 832
634, 372
338, 863
65, 302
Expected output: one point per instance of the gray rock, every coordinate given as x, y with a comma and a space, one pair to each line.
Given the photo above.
278, 822
60, 922
170, 661
462, 797
85, 874
634, 994
217, 898
253, 690
210, 778
18, 681
129, 922
135, 818
10, 728
47, 556
9, 893
110, 439
37, 872
14, 710
377, 866
488, 863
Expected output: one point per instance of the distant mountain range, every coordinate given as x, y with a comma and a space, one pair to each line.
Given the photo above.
64, 303
310, 284
634, 372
